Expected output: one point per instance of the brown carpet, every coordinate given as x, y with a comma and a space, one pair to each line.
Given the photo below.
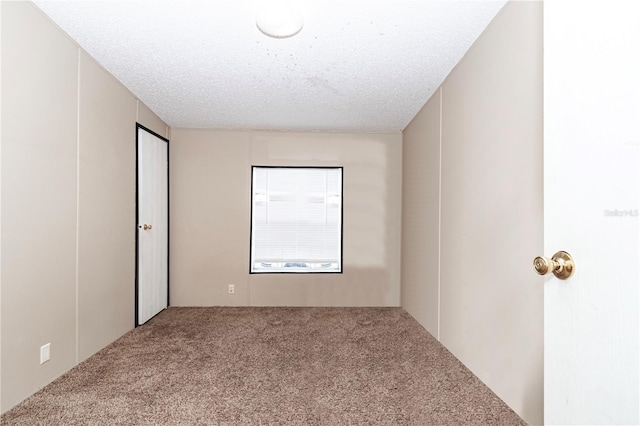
269, 366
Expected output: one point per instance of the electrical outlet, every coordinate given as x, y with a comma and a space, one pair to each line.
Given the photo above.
45, 353
232, 289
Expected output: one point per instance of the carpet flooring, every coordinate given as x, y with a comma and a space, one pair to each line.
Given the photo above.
269, 366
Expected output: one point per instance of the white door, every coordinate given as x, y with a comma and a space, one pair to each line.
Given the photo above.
592, 193
152, 287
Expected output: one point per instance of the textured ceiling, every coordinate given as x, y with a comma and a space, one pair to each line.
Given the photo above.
357, 65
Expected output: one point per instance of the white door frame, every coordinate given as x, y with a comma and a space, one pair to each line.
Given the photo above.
138, 224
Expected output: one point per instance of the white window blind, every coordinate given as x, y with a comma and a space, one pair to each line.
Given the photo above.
296, 219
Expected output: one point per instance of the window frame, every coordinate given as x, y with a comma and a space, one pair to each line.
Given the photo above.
341, 267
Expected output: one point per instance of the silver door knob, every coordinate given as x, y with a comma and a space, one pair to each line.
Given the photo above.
561, 264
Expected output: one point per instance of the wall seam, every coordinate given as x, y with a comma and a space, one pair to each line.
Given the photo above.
248, 191
78, 209
0, 212
439, 209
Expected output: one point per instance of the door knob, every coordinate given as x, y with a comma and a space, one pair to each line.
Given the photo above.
146, 227
561, 264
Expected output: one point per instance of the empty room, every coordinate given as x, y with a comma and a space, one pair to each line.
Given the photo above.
330, 212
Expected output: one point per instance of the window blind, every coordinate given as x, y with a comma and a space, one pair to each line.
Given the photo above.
296, 219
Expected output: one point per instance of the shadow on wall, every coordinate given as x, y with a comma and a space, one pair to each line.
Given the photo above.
366, 205
369, 177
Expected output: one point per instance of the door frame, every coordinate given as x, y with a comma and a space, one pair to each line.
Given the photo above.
137, 218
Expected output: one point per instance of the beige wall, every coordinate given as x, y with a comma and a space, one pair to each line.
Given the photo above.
68, 203
210, 238
39, 131
421, 216
209, 205
106, 196
148, 119
490, 301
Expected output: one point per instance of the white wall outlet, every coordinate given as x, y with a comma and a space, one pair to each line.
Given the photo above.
232, 289
45, 353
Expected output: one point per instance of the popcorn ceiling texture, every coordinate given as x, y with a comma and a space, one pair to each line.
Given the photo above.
358, 65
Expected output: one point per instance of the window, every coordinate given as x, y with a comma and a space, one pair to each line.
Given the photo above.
296, 219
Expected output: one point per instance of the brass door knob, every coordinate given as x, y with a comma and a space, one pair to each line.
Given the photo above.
561, 264
146, 227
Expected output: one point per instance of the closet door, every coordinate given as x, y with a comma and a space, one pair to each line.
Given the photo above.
152, 242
